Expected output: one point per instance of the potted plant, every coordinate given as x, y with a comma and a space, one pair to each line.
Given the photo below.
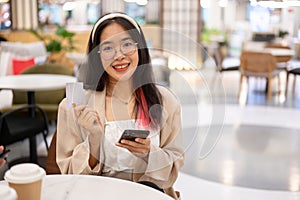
282, 33
57, 44
62, 39
214, 36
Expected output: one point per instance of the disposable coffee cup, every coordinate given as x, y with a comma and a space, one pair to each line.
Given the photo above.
26, 179
7, 193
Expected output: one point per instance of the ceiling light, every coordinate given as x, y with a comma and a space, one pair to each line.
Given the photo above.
223, 3
205, 3
293, 3
275, 4
69, 5
142, 2
130, 1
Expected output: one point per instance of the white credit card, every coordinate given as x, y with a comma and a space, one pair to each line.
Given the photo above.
74, 94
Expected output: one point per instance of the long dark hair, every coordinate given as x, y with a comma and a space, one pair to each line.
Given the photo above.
143, 78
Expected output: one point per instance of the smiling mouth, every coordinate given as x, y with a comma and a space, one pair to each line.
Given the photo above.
121, 68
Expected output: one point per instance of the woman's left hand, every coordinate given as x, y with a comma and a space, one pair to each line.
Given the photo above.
139, 146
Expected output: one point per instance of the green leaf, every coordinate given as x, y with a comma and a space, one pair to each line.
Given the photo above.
61, 40
38, 35
62, 32
54, 45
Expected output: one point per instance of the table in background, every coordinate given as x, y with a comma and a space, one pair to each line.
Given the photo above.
281, 55
31, 83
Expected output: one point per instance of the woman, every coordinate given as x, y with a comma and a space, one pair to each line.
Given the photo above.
120, 94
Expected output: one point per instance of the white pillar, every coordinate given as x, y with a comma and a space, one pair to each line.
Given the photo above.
180, 33
24, 14
113, 5
79, 13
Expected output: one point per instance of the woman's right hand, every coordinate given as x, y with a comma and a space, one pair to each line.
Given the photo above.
88, 119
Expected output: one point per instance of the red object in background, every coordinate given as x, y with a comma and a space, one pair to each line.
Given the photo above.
20, 65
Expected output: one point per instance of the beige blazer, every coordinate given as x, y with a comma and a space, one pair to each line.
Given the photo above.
163, 162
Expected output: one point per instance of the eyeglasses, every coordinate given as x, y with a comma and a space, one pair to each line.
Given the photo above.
108, 51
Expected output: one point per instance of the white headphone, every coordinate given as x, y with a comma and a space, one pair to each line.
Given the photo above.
113, 15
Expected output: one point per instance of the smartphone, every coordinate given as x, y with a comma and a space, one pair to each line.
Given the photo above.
4, 153
131, 134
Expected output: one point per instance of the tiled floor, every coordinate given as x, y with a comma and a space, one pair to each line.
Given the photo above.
245, 148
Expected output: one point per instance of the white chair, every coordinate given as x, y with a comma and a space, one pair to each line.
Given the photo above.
35, 49
6, 97
5, 63
10, 50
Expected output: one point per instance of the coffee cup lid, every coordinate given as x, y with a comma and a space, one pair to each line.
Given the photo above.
7, 193
24, 173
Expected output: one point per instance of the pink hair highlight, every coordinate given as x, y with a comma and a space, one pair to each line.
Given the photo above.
143, 112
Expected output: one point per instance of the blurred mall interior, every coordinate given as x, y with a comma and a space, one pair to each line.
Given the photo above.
241, 136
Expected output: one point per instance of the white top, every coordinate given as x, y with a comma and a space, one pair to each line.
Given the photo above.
117, 159
35, 82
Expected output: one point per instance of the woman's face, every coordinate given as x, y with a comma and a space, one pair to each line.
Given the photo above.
118, 52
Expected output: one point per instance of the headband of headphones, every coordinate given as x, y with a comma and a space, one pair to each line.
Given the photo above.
113, 15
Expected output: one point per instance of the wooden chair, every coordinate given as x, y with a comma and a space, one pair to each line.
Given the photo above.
219, 58
257, 64
51, 165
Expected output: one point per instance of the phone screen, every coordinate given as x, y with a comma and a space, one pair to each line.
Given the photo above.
131, 134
